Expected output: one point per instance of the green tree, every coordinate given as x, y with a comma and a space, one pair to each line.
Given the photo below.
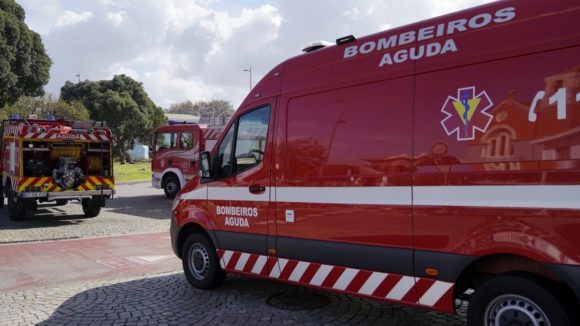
24, 65
123, 104
202, 108
47, 105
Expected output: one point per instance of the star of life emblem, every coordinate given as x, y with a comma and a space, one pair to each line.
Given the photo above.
466, 113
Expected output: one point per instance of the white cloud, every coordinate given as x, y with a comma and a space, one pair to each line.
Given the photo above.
69, 18
41, 14
116, 18
198, 49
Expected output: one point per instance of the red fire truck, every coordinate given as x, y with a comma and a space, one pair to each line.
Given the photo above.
55, 161
430, 163
176, 148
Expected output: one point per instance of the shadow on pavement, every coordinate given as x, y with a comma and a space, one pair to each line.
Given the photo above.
46, 216
169, 299
154, 206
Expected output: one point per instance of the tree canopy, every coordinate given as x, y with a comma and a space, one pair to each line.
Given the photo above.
123, 104
45, 106
202, 108
24, 65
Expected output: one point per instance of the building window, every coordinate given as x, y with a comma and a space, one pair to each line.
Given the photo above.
563, 153
499, 144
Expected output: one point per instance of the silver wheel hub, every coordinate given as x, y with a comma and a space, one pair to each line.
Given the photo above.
198, 261
514, 310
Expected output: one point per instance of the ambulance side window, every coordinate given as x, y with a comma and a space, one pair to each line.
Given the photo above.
247, 139
224, 154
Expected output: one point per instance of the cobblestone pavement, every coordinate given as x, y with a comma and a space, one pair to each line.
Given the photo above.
167, 299
137, 208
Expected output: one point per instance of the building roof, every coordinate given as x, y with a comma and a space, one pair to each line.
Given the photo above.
182, 117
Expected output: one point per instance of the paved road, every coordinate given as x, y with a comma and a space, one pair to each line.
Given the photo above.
107, 290
167, 299
137, 208
41, 264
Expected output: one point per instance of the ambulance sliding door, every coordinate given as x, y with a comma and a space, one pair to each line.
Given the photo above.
343, 174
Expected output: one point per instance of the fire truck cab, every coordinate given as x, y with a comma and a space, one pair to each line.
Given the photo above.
55, 161
175, 150
421, 165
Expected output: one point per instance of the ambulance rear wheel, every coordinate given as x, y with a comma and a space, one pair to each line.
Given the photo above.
200, 263
171, 187
90, 208
518, 300
13, 212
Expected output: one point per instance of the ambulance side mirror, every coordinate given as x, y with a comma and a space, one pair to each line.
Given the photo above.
204, 170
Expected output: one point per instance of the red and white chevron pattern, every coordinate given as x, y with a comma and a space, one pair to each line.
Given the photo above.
12, 130
429, 293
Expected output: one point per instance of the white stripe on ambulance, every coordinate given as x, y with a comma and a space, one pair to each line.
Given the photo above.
546, 196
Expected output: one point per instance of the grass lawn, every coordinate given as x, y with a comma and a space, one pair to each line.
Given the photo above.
130, 172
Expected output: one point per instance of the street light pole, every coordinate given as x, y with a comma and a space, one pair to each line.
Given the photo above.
250, 71
79, 75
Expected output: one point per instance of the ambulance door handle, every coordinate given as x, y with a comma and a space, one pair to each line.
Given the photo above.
257, 189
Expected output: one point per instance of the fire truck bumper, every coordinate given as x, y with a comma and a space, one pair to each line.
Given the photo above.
156, 180
68, 194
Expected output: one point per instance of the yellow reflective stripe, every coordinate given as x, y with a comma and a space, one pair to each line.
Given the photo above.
110, 183
24, 183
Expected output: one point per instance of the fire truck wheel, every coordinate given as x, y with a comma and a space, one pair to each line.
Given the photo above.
201, 264
90, 210
171, 187
518, 300
13, 212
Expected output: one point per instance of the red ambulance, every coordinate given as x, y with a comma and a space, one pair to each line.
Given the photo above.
419, 165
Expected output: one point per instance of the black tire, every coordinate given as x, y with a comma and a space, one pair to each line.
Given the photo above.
200, 263
13, 212
171, 187
90, 208
518, 300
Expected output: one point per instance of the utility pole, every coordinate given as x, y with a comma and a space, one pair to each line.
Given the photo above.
250, 71
79, 75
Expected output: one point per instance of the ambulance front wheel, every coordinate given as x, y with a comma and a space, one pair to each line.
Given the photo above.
171, 187
200, 263
519, 300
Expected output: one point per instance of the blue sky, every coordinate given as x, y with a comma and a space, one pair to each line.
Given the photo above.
197, 49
